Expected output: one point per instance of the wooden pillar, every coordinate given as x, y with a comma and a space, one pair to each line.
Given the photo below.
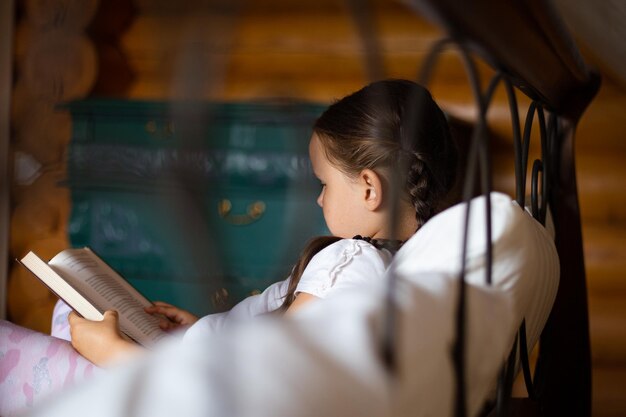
563, 373
54, 61
6, 40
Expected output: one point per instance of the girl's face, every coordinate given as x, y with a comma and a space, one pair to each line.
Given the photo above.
340, 197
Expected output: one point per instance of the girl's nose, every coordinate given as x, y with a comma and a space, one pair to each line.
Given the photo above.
320, 199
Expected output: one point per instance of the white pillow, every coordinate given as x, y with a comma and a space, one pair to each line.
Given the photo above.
525, 275
525, 262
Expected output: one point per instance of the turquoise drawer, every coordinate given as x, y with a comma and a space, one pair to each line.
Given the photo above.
200, 221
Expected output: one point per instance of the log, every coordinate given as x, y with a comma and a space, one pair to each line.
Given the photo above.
609, 390
289, 54
47, 187
43, 131
112, 18
67, 15
29, 223
605, 258
23, 39
60, 66
21, 97
168, 7
26, 292
601, 184
41, 214
602, 126
115, 76
607, 330
39, 317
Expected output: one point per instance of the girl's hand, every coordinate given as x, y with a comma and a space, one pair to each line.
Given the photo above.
176, 317
100, 341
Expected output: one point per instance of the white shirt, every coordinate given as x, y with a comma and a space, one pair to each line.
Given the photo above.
345, 264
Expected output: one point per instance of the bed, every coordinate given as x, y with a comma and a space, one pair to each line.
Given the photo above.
462, 325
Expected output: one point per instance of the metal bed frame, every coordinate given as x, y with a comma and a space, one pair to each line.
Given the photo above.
528, 46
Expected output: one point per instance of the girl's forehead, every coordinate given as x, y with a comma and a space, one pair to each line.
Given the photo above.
319, 160
316, 150
314, 140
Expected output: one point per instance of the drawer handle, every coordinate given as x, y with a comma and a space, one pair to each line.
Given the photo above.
153, 129
254, 212
220, 298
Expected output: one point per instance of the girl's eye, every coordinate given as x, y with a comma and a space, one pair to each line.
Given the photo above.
322, 185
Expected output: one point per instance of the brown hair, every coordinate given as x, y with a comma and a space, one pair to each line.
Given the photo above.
310, 250
396, 129
393, 125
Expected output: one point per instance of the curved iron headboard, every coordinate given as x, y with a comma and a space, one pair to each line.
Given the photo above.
529, 47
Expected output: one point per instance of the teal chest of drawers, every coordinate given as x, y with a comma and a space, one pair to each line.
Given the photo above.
197, 204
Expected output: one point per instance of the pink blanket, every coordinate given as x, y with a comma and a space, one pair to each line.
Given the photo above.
34, 365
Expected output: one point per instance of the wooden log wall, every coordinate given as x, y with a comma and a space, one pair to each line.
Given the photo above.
159, 49
55, 61
601, 157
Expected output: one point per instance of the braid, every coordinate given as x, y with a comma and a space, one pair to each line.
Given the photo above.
422, 188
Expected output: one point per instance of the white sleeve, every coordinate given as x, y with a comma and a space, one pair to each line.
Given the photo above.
342, 266
269, 300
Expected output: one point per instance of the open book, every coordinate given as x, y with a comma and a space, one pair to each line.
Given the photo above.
90, 286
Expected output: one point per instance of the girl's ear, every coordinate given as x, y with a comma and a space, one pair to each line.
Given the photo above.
373, 189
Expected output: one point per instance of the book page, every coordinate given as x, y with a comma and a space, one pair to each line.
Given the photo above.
107, 290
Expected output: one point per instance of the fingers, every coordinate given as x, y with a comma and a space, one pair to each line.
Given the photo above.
111, 315
169, 311
171, 316
167, 325
72, 317
98, 341
74, 320
167, 315
163, 304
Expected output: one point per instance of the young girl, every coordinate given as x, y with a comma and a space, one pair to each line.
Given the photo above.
386, 163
